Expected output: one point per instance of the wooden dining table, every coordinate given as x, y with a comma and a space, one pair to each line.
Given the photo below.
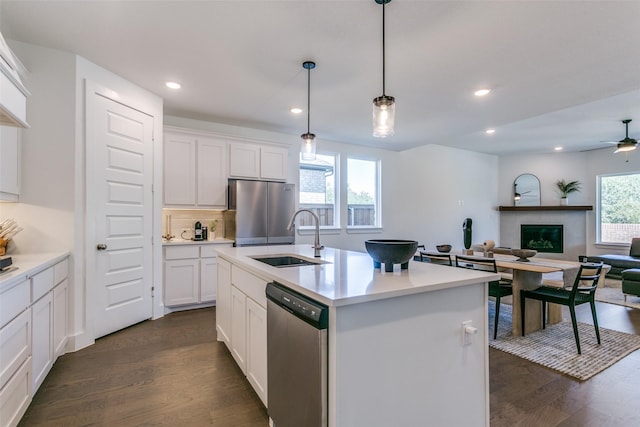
528, 275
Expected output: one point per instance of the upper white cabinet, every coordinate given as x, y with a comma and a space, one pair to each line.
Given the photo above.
9, 164
13, 94
195, 170
258, 161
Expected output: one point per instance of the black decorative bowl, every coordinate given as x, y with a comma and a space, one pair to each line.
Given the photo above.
445, 249
524, 254
390, 252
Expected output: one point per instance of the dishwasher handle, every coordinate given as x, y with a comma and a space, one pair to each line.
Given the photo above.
313, 312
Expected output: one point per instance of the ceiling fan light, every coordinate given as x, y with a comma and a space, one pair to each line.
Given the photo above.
384, 112
626, 147
308, 147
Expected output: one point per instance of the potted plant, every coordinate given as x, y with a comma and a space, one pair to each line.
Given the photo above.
212, 229
566, 188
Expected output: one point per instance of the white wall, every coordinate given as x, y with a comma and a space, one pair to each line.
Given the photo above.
581, 166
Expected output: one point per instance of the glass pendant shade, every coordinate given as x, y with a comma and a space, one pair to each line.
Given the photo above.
308, 148
384, 112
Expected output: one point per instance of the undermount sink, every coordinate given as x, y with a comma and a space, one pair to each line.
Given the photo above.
281, 261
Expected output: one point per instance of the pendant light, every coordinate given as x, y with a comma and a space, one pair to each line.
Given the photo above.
308, 149
384, 107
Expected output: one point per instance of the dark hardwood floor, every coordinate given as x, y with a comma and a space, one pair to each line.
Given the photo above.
173, 372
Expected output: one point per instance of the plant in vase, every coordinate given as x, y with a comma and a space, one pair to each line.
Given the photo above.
212, 229
567, 188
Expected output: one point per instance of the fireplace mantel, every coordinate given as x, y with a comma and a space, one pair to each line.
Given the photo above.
544, 208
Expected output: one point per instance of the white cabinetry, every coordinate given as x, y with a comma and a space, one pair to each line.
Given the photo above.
258, 161
33, 333
49, 292
241, 321
195, 170
9, 163
223, 303
190, 274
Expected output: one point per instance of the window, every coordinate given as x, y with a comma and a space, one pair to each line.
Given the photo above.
362, 193
618, 208
318, 191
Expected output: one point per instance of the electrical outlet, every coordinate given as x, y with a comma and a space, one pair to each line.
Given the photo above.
468, 332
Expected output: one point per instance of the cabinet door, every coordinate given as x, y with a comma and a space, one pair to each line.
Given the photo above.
223, 302
181, 281
42, 339
239, 328
257, 348
179, 170
212, 173
60, 318
244, 160
274, 163
15, 396
9, 163
208, 279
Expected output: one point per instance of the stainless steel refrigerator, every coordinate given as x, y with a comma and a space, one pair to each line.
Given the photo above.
259, 212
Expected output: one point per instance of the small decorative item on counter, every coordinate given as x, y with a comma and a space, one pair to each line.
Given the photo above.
212, 229
566, 188
167, 235
8, 229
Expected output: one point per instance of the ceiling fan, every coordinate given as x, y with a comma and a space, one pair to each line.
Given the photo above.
626, 144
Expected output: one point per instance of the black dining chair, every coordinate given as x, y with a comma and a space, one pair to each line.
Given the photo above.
497, 288
436, 258
583, 291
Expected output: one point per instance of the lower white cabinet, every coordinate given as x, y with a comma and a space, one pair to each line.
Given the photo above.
42, 335
241, 322
34, 331
223, 303
190, 274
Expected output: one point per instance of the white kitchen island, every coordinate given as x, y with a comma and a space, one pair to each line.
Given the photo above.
396, 352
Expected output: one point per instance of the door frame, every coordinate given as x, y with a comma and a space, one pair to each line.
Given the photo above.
129, 99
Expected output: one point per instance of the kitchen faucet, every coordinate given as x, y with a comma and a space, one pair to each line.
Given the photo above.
316, 244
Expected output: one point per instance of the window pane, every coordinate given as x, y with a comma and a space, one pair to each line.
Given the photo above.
317, 190
362, 193
619, 209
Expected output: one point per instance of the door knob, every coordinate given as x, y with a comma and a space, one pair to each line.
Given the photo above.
101, 246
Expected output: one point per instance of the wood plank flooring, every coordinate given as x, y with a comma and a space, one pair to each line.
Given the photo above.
173, 372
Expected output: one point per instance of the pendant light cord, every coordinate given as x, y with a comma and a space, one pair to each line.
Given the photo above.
308, 98
383, 52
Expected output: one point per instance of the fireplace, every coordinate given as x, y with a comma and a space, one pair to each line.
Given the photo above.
542, 237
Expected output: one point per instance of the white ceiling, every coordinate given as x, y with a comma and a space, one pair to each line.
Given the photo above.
562, 72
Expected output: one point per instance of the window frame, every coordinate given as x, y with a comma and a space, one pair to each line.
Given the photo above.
377, 196
599, 240
336, 196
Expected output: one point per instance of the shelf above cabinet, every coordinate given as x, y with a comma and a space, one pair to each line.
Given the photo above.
544, 208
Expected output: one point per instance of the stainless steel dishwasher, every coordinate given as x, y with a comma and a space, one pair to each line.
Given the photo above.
296, 358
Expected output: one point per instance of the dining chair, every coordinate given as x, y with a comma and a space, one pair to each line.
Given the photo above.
583, 291
497, 288
436, 258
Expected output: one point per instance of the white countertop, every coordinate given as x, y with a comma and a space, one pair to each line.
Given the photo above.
348, 277
28, 265
195, 242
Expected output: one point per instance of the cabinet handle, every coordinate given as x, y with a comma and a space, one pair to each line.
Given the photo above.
101, 246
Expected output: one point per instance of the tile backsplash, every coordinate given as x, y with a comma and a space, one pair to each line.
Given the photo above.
186, 218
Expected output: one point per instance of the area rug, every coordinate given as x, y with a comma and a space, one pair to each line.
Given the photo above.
555, 346
612, 293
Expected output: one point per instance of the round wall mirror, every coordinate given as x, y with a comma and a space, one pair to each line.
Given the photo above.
526, 190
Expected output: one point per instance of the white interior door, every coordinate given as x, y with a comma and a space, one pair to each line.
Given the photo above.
119, 213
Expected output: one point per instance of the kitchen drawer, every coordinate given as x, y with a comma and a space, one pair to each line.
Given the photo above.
208, 251
182, 252
15, 345
252, 286
13, 301
41, 283
15, 396
61, 271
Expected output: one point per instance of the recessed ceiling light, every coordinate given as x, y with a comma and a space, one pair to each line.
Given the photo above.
558, 148
490, 131
482, 92
173, 85
296, 110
